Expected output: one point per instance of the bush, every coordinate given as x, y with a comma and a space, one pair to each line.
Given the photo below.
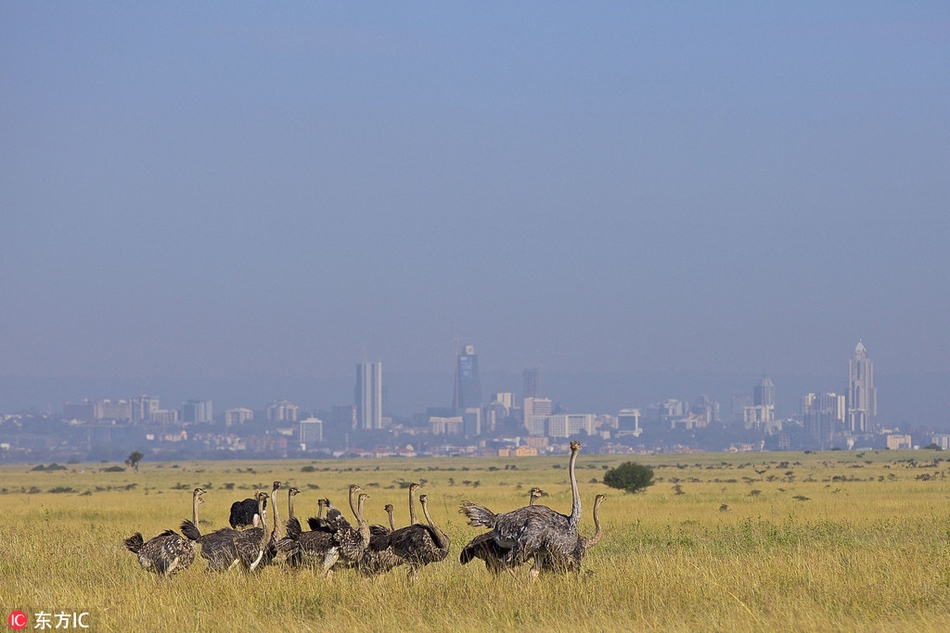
629, 476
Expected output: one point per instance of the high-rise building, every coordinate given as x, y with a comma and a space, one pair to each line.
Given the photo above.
628, 421
862, 396
197, 411
369, 395
281, 411
823, 415
311, 432
763, 394
468, 385
143, 407
536, 412
532, 383
238, 416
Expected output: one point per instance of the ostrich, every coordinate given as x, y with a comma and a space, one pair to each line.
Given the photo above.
291, 493
420, 544
377, 556
484, 546
534, 530
168, 552
245, 512
291, 556
252, 545
573, 561
413, 519
323, 542
382, 530
534, 494
319, 522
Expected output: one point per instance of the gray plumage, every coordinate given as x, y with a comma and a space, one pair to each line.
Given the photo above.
553, 562
419, 545
485, 548
328, 539
533, 531
169, 552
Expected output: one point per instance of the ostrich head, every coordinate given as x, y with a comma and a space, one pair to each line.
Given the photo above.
293, 491
423, 499
388, 507
414, 486
276, 485
575, 446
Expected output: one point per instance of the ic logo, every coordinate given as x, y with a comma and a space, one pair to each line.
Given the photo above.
18, 620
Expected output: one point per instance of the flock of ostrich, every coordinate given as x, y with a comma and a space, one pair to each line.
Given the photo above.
531, 533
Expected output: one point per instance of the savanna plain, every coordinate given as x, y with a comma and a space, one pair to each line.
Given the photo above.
826, 541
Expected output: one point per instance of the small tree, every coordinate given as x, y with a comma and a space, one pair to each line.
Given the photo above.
133, 461
629, 476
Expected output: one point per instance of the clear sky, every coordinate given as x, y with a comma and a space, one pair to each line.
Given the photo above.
263, 189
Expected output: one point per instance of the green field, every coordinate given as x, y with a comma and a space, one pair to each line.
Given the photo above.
817, 542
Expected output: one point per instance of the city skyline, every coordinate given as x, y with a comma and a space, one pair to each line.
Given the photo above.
370, 387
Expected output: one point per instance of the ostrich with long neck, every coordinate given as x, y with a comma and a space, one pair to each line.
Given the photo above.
252, 544
413, 519
572, 562
484, 546
420, 544
291, 493
322, 544
532, 531
377, 530
169, 552
377, 555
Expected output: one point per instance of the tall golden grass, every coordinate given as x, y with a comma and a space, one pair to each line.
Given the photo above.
835, 541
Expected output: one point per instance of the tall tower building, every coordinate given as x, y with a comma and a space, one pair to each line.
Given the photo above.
468, 385
862, 396
763, 394
369, 395
532, 383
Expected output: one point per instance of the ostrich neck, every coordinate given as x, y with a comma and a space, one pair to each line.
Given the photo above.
575, 517
260, 510
353, 504
597, 530
439, 536
194, 510
413, 519
290, 506
362, 525
320, 507
392, 521
273, 501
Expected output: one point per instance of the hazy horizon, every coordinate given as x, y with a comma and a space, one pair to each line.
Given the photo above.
261, 190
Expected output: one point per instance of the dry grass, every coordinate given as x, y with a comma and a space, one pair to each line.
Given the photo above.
832, 542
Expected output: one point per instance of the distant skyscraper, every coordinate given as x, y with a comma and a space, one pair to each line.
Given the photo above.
862, 396
468, 385
197, 411
763, 394
532, 383
823, 416
369, 395
143, 407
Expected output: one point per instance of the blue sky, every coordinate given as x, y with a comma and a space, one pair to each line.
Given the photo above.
237, 189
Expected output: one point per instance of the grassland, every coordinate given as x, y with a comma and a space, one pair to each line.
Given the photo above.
835, 541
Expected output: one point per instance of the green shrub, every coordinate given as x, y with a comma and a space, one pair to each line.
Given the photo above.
629, 476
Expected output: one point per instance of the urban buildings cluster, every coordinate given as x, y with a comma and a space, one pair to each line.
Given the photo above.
506, 424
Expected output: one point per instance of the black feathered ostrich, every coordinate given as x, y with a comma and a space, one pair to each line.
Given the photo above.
245, 513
